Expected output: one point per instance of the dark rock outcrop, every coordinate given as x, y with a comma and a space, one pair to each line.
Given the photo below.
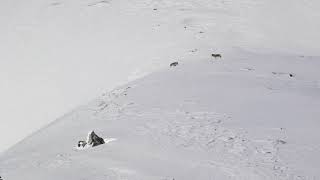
94, 140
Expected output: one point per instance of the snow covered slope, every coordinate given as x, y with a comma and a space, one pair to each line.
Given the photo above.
254, 114
240, 117
57, 54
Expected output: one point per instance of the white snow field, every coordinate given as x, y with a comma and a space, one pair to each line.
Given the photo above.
57, 54
239, 117
252, 114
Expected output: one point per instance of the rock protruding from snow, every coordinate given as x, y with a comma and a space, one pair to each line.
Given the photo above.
93, 139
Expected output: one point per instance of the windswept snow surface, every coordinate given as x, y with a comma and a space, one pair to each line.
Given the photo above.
239, 117
57, 54
253, 114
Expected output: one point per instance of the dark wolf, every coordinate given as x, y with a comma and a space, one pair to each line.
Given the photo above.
174, 64
216, 55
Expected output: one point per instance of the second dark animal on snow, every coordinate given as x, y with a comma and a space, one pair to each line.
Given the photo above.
216, 55
174, 64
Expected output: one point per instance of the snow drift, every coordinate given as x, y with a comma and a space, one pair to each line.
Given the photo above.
232, 118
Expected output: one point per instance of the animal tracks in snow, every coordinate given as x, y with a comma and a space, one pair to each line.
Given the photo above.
247, 69
283, 74
57, 161
108, 102
236, 151
99, 3
206, 131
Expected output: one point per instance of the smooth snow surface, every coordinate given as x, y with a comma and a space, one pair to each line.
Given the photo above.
238, 117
